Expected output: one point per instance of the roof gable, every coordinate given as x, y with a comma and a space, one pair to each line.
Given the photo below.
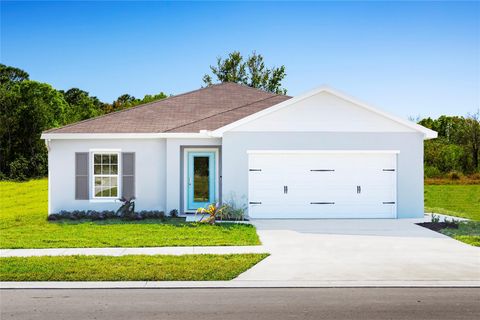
324, 110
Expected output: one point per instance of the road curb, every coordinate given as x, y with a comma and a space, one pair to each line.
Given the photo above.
237, 284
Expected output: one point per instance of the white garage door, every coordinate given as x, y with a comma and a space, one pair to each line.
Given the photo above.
322, 184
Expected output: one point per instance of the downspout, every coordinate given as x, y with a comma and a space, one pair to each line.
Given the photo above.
47, 144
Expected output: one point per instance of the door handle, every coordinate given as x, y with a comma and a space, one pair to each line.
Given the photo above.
286, 189
359, 189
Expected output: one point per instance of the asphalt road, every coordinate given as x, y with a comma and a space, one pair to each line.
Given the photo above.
199, 304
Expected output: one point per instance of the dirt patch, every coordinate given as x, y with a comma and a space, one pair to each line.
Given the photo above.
437, 226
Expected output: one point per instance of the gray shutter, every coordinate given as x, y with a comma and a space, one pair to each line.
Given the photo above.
128, 175
81, 176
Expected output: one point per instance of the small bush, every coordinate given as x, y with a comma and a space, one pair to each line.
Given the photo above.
432, 172
454, 175
103, 215
173, 213
232, 212
20, 169
452, 224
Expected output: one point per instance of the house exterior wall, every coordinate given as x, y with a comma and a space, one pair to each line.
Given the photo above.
409, 166
323, 112
150, 173
157, 172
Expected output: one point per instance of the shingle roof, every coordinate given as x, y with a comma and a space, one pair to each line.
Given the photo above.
205, 109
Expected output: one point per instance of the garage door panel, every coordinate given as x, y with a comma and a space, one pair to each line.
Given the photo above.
322, 185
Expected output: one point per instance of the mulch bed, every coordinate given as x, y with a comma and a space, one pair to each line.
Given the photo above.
437, 226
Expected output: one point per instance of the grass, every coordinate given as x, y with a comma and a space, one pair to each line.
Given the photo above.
127, 268
456, 200
468, 232
459, 201
23, 224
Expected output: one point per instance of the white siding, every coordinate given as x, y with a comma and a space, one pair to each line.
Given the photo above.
323, 112
150, 173
409, 165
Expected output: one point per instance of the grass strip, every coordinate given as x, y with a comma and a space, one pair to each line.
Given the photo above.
203, 267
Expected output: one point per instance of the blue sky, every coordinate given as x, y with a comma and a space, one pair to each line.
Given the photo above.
410, 58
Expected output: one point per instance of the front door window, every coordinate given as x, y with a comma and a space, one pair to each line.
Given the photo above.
201, 179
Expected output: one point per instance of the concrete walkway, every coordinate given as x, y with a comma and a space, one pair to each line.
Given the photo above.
131, 251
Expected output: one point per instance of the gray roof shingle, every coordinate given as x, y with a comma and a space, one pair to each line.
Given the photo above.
205, 109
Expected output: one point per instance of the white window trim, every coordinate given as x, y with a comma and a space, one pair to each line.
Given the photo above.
93, 152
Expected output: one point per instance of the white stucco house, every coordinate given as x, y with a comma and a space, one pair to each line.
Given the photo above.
321, 154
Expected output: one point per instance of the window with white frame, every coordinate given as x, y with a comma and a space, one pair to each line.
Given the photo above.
105, 174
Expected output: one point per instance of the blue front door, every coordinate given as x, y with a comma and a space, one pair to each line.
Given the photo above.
201, 179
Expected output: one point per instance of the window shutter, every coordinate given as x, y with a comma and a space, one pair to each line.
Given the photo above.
128, 174
81, 176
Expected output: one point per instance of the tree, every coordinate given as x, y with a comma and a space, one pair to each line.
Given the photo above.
81, 106
458, 143
471, 136
251, 72
127, 101
27, 108
10, 75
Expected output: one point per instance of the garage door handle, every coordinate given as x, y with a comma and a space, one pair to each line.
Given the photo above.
322, 202
389, 202
253, 202
359, 189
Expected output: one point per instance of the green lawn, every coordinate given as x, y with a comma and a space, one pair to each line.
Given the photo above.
468, 232
23, 224
456, 200
127, 268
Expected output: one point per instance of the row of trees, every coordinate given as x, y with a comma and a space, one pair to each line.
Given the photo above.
457, 148
28, 107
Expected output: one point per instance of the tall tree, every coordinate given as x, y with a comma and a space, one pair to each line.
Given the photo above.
471, 136
27, 109
251, 72
81, 105
10, 75
127, 101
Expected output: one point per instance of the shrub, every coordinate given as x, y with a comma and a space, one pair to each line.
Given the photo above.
20, 169
432, 172
127, 209
106, 214
454, 175
152, 215
452, 224
173, 213
210, 213
232, 212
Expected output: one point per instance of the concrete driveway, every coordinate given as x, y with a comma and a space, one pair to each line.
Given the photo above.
361, 250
